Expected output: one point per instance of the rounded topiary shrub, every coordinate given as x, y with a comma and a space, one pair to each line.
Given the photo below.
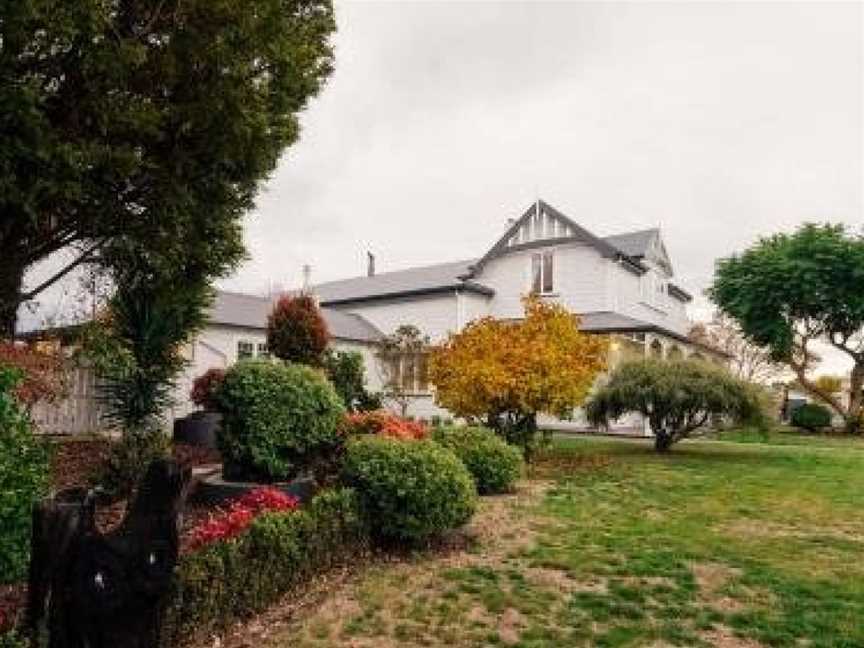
279, 421
297, 331
494, 464
410, 490
812, 417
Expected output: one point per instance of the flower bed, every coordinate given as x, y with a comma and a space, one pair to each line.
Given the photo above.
229, 579
230, 522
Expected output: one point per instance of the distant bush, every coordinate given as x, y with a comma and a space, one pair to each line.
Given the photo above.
24, 466
204, 389
229, 580
410, 490
42, 371
347, 372
12, 639
128, 459
812, 417
386, 424
278, 420
296, 330
493, 463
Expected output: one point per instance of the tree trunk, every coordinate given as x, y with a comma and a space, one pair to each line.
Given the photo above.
856, 384
663, 440
11, 280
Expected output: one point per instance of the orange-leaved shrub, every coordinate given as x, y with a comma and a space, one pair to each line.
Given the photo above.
384, 423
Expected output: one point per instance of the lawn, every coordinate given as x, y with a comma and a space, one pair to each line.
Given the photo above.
720, 543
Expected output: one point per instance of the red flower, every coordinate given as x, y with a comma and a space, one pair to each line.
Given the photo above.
230, 522
385, 424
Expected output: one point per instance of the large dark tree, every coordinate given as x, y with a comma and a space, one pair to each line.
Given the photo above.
147, 120
790, 290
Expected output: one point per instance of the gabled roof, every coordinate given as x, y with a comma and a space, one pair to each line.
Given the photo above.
643, 245
542, 225
251, 311
634, 244
425, 280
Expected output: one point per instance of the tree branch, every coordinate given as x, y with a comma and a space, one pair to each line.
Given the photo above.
85, 256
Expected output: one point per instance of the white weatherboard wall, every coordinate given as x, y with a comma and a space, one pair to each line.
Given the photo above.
216, 347
579, 279
435, 315
471, 306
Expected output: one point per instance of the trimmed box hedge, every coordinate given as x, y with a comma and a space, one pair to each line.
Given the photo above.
494, 464
231, 580
412, 490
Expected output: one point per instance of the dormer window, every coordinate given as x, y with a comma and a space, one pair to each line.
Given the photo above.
542, 273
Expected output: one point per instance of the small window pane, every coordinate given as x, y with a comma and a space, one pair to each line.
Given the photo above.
245, 350
547, 273
408, 370
423, 373
395, 372
536, 262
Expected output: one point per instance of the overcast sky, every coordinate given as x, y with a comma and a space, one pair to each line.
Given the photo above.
717, 121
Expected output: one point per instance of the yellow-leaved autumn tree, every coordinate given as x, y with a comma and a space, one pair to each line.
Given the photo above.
508, 372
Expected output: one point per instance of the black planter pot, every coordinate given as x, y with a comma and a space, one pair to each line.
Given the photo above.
198, 429
214, 490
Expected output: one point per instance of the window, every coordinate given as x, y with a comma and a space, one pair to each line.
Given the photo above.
422, 372
542, 273
263, 351
245, 350
410, 373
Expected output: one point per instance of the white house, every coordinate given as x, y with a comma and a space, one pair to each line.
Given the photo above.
622, 285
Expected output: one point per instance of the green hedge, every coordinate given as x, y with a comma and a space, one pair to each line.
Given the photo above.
494, 464
231, 580
278, 420
410, 489
13, 639
812, 417
24, 469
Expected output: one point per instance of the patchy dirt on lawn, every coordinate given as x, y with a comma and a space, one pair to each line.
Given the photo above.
722, 637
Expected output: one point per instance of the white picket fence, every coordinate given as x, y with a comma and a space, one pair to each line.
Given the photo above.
78, 413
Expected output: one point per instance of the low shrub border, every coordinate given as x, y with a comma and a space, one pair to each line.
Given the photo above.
229, 580
494, 464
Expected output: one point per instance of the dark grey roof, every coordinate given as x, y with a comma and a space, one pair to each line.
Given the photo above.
633, 244
236, 309
600, 321
441, 277
611, 322
679, 293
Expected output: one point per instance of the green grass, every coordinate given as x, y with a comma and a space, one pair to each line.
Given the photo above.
780, 528
760, 541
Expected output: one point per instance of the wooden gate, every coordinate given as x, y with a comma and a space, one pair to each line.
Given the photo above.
78, 413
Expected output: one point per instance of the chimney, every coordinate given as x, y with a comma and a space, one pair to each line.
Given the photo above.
307, 277
370, 268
